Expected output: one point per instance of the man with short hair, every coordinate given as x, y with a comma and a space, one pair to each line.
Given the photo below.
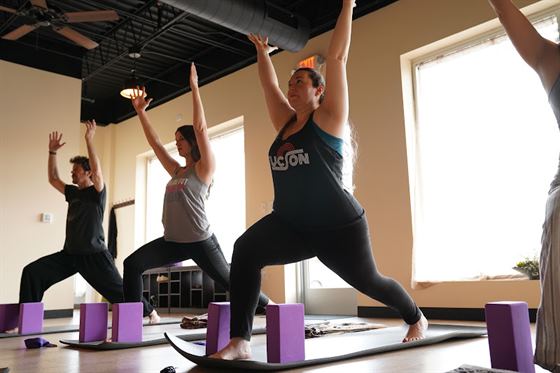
84, 249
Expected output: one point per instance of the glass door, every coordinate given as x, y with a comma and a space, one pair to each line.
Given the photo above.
323, 292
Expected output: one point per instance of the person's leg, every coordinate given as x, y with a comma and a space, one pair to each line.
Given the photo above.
209, 257
100, 272
547, 349
267, 242
152, 255
347, 251
41, 274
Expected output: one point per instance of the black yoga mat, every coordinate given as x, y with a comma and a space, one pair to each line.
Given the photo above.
329, 349
74, 328
148, 340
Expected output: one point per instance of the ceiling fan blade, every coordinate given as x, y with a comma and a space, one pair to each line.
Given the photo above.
9, 10
40, 3
92, 16
76, 37
19, 32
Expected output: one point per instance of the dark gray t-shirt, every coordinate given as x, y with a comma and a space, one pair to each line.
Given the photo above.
84, 222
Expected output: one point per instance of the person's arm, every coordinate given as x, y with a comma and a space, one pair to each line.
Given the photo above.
52, 168
94, 163
332, 115
279, 110
539, 53
207, 164
140, 104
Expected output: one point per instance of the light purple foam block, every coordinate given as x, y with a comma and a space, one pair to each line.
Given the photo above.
9, 314
127, 322
30, 317
217, 332
285, 333
509, 336
93, 321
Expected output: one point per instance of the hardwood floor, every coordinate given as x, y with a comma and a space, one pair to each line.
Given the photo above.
429, 359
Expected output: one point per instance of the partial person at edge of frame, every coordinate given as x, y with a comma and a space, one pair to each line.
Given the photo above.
543, 56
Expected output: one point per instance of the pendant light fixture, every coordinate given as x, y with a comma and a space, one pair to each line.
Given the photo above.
132, 82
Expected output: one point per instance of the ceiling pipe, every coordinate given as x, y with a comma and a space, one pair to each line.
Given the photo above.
284, 29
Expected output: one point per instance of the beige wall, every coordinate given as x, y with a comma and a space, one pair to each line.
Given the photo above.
376, 95
33, 103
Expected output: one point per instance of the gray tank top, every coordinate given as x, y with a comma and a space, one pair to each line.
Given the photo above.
184, 216
554, 100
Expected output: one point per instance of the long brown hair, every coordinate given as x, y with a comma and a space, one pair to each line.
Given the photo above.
187, 131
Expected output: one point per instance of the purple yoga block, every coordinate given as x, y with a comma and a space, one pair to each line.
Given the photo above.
509, 336
93, 322
9, 314
217, 332
30, 317
285, 333
127, 322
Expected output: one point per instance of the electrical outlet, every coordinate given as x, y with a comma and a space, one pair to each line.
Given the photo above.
47, 217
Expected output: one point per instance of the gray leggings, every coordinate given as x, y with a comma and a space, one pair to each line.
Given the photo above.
346, 250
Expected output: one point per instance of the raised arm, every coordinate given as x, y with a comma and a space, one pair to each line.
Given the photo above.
332, 115
279, 110
539, 53
95, 165
52, 168
140, 104
207, 164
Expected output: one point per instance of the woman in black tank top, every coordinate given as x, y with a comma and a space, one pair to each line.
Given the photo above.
313, 214
544, 57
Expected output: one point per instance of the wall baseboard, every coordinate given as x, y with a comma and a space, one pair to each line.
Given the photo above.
437, 313
56, 314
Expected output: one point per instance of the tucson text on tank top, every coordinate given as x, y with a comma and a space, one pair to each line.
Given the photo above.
554, 101
184, 215
307, 177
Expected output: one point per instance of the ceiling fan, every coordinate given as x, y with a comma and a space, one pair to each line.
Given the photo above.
39, 14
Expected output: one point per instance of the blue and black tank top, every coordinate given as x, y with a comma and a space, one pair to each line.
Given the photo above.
307, 177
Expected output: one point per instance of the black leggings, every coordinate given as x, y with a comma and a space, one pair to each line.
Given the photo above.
206, 254
97, 269
345, 250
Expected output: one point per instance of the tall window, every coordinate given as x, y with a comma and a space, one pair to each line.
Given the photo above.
486, 149
225, 207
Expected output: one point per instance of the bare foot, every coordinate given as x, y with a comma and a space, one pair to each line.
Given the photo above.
237, 349
416, 331
11, 331
153, 317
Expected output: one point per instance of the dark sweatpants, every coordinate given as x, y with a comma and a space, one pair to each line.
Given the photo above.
206, 254
97, 269
345, 250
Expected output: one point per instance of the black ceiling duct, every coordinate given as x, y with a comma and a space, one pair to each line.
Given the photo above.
283, 28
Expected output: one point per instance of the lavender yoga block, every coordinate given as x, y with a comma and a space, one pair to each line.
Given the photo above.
217, 332
127, 322
93, 322
31, 318
509, 336
9, 314
285, 333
